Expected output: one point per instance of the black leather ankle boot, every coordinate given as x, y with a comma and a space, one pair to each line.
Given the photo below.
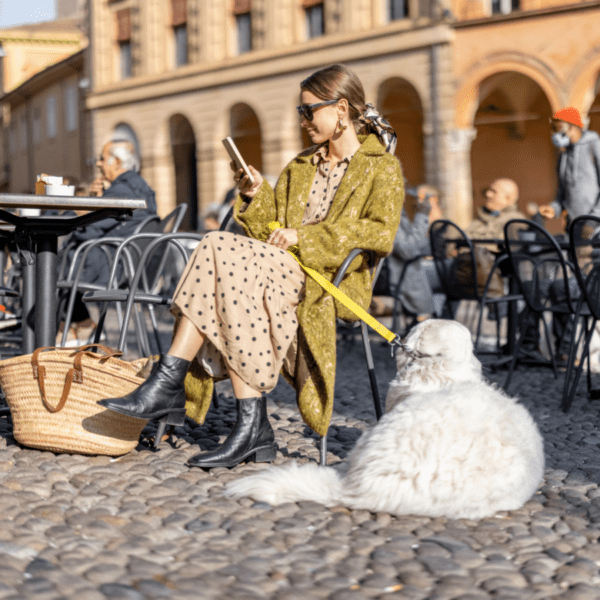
161, 395
251, 438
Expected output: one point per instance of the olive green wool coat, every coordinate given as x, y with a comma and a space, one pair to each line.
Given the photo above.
365, 213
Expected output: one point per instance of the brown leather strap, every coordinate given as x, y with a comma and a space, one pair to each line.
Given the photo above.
74, 374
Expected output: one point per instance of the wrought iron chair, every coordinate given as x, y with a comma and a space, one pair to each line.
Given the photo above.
129, 257
584, 248
542, 273
455, 260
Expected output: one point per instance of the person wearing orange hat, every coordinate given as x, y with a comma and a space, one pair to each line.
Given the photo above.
578, 194
578, 167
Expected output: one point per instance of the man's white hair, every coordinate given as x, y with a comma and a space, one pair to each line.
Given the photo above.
124, 150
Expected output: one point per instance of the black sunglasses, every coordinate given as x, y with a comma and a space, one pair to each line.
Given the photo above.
306, 110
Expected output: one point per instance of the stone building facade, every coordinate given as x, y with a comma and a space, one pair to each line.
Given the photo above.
468, 84
48, 129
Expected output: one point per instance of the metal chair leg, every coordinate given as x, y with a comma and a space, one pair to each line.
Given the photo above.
513, 362
569, 393
371, 368
323, 450
549, 347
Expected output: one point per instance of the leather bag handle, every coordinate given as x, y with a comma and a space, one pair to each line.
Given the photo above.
74, 374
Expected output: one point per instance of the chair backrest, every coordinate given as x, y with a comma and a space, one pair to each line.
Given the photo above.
584, 238
455, 261
155, 265
538, 261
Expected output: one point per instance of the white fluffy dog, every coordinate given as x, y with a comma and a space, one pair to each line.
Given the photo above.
450, 444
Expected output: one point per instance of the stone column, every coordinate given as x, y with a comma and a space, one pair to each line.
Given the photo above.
458, 192
214, 174
281, 143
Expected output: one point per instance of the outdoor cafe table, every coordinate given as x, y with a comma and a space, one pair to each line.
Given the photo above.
37, 241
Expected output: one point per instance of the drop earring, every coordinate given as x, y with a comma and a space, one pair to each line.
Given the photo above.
341, 126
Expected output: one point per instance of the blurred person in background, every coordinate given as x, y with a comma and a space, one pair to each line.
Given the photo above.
421, 294
578, 167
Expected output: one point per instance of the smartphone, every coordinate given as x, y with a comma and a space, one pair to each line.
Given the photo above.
236, 157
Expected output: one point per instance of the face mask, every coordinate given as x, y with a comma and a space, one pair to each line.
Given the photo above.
560, 140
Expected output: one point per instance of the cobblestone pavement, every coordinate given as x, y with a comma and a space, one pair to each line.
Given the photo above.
146, 526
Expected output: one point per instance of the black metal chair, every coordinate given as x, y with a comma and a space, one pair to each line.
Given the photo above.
543, 275
584, 248
455, 260
364, 331
128, 257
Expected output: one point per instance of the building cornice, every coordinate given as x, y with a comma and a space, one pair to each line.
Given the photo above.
5, 39
392, 39
529, 14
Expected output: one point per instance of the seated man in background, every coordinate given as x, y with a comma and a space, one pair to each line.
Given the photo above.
119, 165
420, 293
499, 207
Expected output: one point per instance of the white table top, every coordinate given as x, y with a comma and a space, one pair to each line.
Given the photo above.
67, 202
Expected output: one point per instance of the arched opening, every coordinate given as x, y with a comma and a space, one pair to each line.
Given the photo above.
594, 112
245, 131
183, 147
513, 139
122, 131
400, 104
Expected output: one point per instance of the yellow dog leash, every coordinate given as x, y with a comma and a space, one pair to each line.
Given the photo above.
360, 312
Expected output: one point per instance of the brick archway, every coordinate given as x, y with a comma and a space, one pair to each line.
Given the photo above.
513, 138
467, 95
400, 103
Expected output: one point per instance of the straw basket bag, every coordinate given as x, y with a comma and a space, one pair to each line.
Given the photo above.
52, 395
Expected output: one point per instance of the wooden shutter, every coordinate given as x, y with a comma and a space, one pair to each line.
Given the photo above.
123, 25
241, 7
179, 11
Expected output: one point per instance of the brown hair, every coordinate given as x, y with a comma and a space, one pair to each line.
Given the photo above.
338, 82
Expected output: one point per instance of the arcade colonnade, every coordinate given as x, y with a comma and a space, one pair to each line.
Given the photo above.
458, 133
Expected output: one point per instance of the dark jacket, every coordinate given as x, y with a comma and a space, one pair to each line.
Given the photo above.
127, 185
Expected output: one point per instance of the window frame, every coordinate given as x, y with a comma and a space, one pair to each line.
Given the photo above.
181, 51
51, 117
71, 109
310, 11
246, 18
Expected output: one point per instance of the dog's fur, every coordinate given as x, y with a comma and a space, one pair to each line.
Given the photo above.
450, 444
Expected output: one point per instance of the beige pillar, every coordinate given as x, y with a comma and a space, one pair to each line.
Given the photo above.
159, 172
214, 173
459, 185
215, 22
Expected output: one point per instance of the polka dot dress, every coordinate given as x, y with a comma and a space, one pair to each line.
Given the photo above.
242, 295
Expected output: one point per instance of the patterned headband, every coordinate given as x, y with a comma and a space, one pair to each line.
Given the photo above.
381, 127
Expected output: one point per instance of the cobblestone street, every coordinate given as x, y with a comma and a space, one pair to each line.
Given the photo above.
146, 526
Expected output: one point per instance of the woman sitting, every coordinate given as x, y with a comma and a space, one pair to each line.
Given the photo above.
245, 307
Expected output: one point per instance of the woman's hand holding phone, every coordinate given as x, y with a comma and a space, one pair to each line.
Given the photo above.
244, 185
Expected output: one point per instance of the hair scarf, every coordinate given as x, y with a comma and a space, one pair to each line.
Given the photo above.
384, 131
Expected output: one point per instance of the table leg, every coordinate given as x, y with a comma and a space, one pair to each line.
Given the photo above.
513, 316
25, 246
45, 313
